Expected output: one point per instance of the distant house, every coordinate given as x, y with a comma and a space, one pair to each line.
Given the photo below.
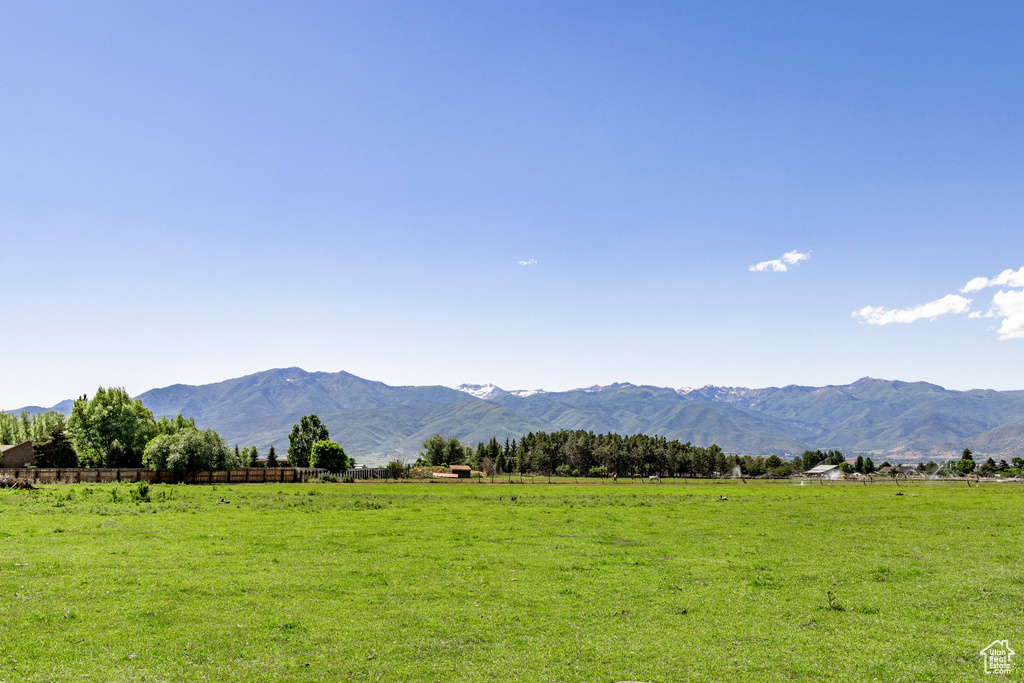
17, 455
462, 471
824, 472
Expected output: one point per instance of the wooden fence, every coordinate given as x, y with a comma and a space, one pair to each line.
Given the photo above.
98, 475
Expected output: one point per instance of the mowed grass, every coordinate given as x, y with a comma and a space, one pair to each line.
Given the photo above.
424, 582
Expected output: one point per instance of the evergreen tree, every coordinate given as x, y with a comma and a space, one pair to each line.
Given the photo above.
869, 466
859, 467
54, 450
272, 458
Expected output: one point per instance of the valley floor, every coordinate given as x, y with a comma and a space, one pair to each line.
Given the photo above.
404, 582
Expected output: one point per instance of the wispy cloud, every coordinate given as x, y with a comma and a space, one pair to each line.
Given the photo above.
780, 265
1007, 304
1008, 278
528, 262
876, 315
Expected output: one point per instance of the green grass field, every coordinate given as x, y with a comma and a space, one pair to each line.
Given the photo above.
456, 582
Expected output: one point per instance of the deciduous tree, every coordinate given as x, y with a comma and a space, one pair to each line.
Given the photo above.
330, 456
301, 440
189, 451
110, 429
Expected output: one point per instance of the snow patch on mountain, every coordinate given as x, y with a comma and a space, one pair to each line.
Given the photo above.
731, 395
489, 391
597, 388
527, 392
484, 391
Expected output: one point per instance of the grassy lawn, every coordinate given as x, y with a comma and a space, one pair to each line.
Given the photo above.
456, 582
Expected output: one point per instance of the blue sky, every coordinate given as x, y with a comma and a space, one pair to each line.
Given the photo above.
196, 191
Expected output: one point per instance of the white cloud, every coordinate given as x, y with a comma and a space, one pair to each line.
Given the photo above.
528, 262
1007, 304
1007, 278
876, 315
780, 265
1010, 307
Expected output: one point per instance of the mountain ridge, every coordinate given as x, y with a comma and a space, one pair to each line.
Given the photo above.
892, 419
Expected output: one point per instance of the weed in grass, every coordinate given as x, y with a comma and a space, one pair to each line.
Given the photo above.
141, 492
833, 602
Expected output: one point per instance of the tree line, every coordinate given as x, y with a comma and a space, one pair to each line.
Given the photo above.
110, 429
584, 453
113, 430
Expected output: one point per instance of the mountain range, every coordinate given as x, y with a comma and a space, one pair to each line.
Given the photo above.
899, 421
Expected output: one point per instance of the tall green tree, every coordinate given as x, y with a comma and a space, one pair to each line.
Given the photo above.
28, 426
966, 464
110, 430
438, 450
166, 425
272, 457
303, 436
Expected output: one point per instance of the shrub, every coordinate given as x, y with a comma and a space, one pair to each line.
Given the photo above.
329, 456
188, 451
141, 492
397, 469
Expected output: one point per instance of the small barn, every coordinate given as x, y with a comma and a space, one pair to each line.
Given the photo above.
17, 455
462, 471
825, 472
